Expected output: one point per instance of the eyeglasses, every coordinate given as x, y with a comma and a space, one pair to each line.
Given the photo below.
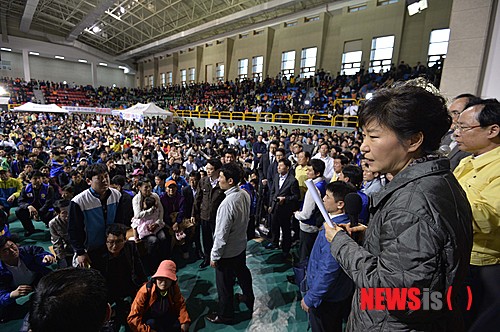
117, 242
463, 129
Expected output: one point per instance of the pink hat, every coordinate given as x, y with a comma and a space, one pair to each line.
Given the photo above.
138, 171
166, 269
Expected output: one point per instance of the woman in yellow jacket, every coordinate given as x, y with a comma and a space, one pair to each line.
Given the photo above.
159, 305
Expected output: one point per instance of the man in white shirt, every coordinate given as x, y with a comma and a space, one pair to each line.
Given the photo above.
324, 155
228, 255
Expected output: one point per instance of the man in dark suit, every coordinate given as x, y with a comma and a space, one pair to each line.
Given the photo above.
207, 201
265, 161
189, 192
283, 201
448, 143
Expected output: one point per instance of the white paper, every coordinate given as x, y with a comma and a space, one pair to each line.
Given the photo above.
319, 202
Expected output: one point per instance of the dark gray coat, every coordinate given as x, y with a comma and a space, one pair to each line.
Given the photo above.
420, 235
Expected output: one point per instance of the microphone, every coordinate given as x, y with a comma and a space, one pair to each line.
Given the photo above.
352, 207
444, 150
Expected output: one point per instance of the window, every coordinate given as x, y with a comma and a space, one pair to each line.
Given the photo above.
356, 8
381, 54
290, 24
351, 62
258, 32
311, 19
308, 62
219, 72
163, 79
287, 63
438, 46
183, 76
170, 78
257, 68
192, 75
386, 2
243, 68
243, 35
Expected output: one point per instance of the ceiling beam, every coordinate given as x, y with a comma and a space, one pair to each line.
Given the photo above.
29, 11
90, 19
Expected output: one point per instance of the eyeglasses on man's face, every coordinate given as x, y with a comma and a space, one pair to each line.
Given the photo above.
463, 129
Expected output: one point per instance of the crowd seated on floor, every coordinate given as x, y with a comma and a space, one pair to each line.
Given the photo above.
279, 94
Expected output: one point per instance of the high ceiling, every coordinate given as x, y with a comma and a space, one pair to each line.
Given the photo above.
130, 29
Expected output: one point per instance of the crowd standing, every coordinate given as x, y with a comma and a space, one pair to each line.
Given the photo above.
133, 199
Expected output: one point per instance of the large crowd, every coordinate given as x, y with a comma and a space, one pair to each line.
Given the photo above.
279, 94
133, 199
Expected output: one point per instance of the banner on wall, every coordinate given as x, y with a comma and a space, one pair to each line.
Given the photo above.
87, 110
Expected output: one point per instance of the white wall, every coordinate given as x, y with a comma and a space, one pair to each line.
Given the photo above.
491, 81
16, 61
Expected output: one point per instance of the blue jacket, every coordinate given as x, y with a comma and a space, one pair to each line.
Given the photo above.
326, 281
32, 257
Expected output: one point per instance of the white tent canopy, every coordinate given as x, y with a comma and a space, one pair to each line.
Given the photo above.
31, 107
140, 111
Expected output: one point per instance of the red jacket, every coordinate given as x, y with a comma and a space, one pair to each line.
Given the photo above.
140, 307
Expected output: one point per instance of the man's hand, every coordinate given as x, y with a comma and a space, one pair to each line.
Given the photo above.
269, 210
185, 327
83, 261
193, 220
213, 264
264, 182
11, 199
33, 212
21, 290
282, 199
304, 306
175, 227
48, 259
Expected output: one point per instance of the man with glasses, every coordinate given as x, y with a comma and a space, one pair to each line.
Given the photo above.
120, 264
448, 143
478, 132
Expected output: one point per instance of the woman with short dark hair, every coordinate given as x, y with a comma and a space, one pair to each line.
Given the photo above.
420, 231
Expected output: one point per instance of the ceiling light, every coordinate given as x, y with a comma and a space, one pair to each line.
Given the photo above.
60, 57
103, 64
122, 10
34, 53
6, 49
122, 67
96, 29
82, 60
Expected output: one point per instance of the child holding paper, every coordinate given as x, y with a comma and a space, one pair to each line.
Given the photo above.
329, 289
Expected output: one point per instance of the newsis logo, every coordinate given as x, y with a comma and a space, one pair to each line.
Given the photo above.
407, 298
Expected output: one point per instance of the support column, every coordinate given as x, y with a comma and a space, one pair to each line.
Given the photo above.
93, 67
26, 65
469, 40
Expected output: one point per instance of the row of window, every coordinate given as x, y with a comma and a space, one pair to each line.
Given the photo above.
380, 60
382, 49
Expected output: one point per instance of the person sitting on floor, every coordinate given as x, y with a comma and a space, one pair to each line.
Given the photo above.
20, 270
159, 305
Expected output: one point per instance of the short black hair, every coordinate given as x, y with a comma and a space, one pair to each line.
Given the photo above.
35, 174
119, 180
343, 159
407, 110
355, 175
340, 189
162, 175
230, 151
65, 300
117, 230
285, 161
216, 163
232, 171
318, 166
195, 174
95, 169
61, 204
489, 114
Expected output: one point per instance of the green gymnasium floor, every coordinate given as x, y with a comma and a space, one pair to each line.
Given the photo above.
277, 303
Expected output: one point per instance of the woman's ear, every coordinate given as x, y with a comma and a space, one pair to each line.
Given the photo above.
415, 142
